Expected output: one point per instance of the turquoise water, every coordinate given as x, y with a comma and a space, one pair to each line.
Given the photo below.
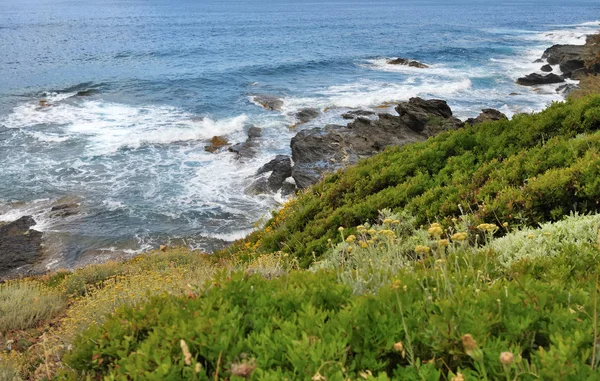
168, 75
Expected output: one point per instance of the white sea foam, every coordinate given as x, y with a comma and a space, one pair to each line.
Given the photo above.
110, 126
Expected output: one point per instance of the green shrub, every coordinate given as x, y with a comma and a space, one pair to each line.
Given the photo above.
23, 304
531, 169
452, 311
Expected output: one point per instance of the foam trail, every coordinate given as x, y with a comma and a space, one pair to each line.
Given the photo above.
110, 126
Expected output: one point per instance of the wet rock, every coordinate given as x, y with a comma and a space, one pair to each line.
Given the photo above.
86, 93
319, 150
248, 148
269, 102
539, 79
65, 209
407, 62
356, 113
487, 115
280, 168
216, 143
546, 68
272, 176
557, 54
306, 115
254, 132
20, 246
244, 150
567, 88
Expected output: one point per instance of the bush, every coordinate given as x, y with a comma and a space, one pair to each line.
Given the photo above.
24, 304
531, 169
453, 311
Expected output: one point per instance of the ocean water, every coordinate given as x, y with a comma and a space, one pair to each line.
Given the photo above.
167, 75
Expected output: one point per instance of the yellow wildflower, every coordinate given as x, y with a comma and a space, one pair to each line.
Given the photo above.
387, 221
460, 236
422, 249
351, 238
443, 243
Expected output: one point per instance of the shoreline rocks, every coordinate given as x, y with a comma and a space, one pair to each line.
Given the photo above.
407, 62
486, 115
268, 102
319, 150
20, 247
535, 79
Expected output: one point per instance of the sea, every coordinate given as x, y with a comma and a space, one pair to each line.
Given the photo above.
136, 88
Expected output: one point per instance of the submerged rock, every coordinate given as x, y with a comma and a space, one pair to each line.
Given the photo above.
306, 115
407, 62
248, 148
269, 102
20, 246
487, 115
216, 143
539, 79
319, 150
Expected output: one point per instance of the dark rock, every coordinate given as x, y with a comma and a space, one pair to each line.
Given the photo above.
65, 209
280, 168
539, 79
356, 113
254, 132
243, 150
567, 88
216, 143
546, 68
288, 188
319, 150
20, 246
488, 114
428, 117
539, 60
86, 93
557, 54
513, 94
571, 67
407, 62
269, 102
306, 115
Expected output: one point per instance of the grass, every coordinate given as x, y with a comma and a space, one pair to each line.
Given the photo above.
24, 304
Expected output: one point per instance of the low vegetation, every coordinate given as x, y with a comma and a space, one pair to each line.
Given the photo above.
441, 307
531, 169
471, 256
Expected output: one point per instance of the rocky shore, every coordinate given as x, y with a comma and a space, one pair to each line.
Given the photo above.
317, 151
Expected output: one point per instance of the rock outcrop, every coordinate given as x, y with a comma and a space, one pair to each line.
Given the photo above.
20, 246
269, 102
215, 144
539, 79
319, 150
487, 115
407, 62
356, 113
278, 170
306, 115
248, 148
546, 68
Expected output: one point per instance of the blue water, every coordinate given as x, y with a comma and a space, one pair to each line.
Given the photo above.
169, 74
